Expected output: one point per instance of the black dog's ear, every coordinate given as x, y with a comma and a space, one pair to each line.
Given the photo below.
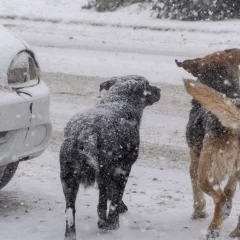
106, 85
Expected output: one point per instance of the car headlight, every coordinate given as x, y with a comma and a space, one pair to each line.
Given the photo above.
23, 68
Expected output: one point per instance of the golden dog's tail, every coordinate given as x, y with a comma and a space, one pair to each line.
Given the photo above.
215, 102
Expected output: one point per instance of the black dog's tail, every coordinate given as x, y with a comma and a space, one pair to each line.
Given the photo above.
76, 164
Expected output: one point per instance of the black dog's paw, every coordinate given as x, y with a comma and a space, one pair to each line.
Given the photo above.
70, 233
106, 225
102, 224
73, 237
122, 208
212, 234
113, 226
70, 236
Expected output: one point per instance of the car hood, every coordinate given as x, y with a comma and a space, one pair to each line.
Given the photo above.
10, 46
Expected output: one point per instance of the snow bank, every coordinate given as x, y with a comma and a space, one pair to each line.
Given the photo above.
138, 15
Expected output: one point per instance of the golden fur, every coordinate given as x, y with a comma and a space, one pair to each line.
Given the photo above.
220, 154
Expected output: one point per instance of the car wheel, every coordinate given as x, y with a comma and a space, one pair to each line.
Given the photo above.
6, 173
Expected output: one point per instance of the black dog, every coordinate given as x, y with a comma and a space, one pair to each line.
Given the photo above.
101, 146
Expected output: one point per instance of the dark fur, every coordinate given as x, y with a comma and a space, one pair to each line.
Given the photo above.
201, 121
220, 72
101, 146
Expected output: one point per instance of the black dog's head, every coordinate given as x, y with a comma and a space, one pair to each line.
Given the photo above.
219, 70
135, 89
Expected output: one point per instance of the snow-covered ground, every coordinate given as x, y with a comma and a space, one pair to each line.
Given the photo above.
136, 15
75, 58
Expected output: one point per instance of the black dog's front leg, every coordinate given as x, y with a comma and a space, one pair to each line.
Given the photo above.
122, 208
118, 188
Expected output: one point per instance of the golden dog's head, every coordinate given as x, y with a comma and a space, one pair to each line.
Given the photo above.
219, 70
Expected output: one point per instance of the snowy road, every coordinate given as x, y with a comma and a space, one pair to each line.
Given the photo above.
158, 192
106, 51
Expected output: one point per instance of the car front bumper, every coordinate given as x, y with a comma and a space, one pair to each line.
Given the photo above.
25, 128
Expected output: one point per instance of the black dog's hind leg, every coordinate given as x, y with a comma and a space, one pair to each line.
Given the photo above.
70, 189
70, 183
102, 203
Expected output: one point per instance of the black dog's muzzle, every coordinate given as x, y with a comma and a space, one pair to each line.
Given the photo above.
155, 94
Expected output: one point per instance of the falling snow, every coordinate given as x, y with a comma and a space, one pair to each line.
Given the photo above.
33, 204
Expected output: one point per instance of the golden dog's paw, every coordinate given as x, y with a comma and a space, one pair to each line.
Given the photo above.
212, 234
235, 233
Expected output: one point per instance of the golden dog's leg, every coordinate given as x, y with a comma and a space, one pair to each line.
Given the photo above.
236, 232
220, 201
198, 195
229, 191
220, 204
210, 185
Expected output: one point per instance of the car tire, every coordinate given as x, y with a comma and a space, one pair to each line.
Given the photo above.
6, 173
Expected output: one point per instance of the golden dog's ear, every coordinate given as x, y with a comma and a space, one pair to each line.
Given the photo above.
191, 66
233, 56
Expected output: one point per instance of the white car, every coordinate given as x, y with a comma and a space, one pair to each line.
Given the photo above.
25, 128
